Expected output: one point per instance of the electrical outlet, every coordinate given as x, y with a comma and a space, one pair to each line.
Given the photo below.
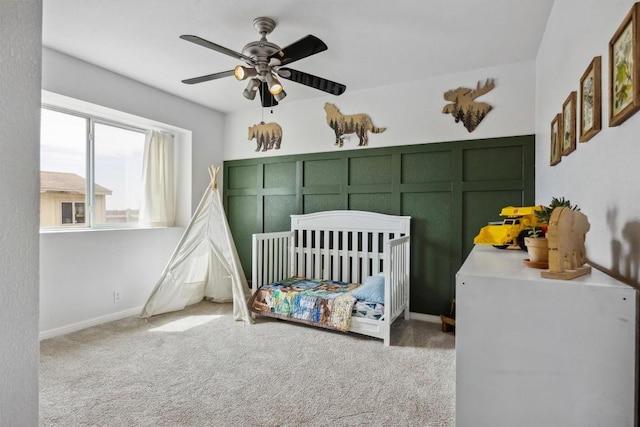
116, 296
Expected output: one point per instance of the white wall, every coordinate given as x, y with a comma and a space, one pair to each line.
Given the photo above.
600, 176
20, 46
412, 114
79, 271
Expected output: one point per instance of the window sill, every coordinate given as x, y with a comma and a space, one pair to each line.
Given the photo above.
97, 229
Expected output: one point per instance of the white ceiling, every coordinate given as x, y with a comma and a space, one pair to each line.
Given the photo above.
372, 43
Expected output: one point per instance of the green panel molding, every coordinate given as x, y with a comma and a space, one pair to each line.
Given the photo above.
450, 190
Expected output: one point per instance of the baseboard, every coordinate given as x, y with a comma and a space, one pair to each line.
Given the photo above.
136, 310
425, 317
89, 323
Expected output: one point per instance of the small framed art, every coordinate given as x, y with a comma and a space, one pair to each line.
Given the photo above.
591, 100
556, 132
624, 69
569, 124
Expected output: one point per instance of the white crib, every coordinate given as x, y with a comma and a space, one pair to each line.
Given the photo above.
346, 246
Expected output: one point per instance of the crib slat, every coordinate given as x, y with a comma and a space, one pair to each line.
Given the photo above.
307, 255
299, 262
335, 271
355, 277
375, 254
314, 254
278, 254
344, 255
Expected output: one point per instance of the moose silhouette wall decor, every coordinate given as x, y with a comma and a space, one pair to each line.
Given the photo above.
344, 124
463, 106
267, 135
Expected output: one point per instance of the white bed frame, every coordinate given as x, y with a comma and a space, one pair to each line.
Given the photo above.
345, 246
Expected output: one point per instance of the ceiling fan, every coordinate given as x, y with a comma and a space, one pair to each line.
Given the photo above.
266, 62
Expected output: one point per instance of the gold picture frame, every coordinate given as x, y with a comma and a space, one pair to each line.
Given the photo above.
591, 100
568, 134
624, 69
556, 132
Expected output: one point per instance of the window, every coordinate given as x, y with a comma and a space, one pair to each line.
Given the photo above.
91, 170
118, 173
72, 213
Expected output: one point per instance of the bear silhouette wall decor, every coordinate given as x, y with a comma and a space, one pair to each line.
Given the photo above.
267, 135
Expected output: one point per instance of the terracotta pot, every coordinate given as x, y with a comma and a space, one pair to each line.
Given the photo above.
538, 249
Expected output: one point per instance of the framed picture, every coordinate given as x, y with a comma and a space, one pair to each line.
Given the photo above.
569, 124
624, 70
556, 132
591, 100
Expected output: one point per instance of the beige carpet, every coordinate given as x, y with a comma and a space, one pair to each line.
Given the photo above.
199, 367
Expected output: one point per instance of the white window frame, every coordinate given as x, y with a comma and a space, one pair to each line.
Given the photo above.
89, 201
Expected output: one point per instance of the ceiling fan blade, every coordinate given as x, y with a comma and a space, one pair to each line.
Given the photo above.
210, 45
306, 46
312, 81
208, 77
265, 96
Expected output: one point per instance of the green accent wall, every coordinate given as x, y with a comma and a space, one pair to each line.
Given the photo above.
449, 189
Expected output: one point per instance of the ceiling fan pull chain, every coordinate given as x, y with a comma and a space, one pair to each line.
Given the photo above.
261, 106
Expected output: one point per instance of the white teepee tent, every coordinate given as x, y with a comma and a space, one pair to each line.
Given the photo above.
205, 264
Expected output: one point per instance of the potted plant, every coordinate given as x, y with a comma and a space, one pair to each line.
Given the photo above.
544, 215
537, 247
536, 243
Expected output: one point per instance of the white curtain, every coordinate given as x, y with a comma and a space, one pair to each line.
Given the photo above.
157, 207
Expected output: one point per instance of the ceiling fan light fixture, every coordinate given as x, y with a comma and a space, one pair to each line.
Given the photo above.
280, 96
275, 87
252, 89
242, 73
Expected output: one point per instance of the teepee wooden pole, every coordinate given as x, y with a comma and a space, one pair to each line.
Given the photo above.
213, 173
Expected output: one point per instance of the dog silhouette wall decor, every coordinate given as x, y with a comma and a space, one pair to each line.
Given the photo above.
344, 124
463, 106
267, 135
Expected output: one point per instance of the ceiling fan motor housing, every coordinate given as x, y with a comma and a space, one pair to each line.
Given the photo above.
260, 51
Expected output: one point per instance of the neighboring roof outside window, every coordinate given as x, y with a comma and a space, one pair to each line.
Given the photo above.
56, 182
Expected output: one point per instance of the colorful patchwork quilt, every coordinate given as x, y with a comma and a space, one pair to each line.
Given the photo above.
324, 303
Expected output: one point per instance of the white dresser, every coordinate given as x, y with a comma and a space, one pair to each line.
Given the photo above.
541, 352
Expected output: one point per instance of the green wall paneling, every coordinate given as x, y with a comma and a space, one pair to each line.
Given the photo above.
449, 189
277, 212
243, 211
417, 168
279, 175
369, 170
481, 164
431, 257
322, 202
241, 176
373, 202
322, 172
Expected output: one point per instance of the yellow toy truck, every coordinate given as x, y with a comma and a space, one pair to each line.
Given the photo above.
512, 230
